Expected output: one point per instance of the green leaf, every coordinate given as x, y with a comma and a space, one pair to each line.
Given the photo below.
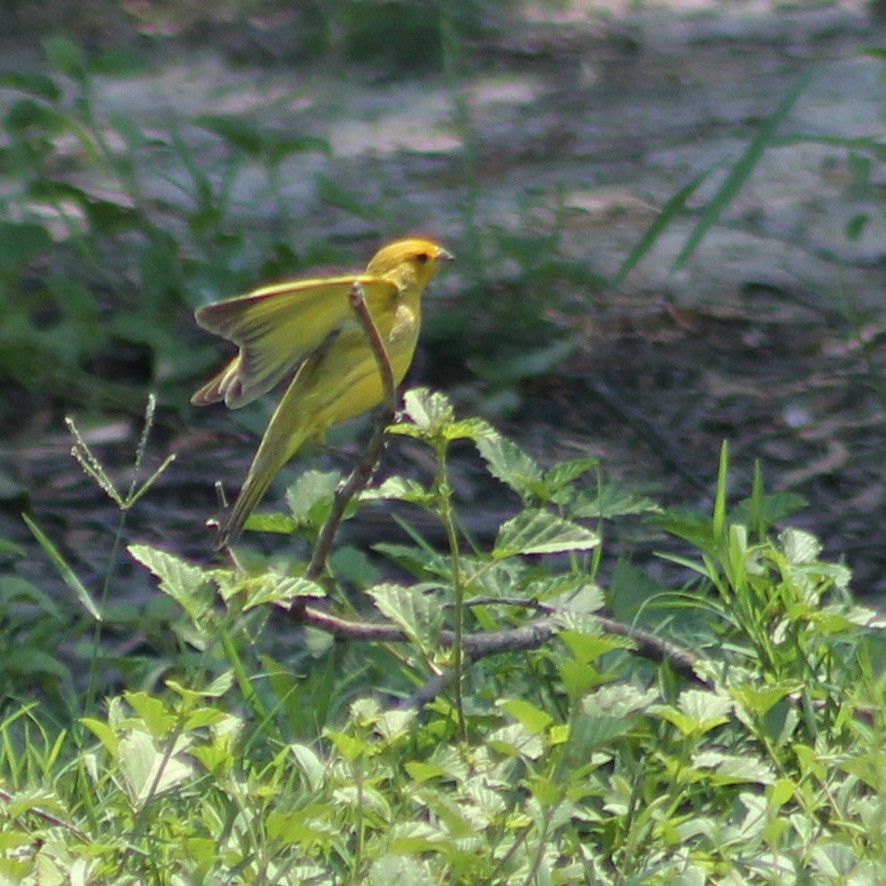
592, 731
768, 509
20, 243
65, 56
399, 869
800, 547
399, 488
729, 769
689, 525
330, 192
266, 521
152, 713
586, 646
533, 719
467, 429
310, 496
416, 613
697, 712
104, 733
280, 590
565, 472
741, 170
662, 221
413, 559
33, 83
188, 585
611, 501
630, 589
537, 531
65, 571
507, 462
313, 768
429, 411
148, 772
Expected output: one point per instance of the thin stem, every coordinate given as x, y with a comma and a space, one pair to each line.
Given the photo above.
368, 461
458, 582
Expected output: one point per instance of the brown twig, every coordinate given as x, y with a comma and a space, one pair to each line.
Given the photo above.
366, 464
48, 817
531, 636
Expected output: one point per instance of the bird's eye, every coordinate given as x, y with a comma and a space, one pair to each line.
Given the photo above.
422, 258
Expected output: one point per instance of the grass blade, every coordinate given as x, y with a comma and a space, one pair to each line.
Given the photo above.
741, 171
68, 575
672, 208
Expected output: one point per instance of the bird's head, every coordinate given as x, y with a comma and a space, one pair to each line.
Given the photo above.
408, 262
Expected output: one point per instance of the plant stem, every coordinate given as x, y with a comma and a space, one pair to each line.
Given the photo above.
368, 461
448, 519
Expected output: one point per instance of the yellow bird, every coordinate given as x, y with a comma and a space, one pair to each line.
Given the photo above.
311, 325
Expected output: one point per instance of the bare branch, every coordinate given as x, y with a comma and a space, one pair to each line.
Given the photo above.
531, 636
366, 463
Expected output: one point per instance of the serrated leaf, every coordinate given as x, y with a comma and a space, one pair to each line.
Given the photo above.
565, 472
413, 611
703, 705
188, 585
620, 700
399, 489
507, 462
429, 411
398, 869
772, 508
611, 502
281, 590
697, 712
515, 740
727, 769
800, 547
590, 644
468, 429
310, 495
593, 731
537, 531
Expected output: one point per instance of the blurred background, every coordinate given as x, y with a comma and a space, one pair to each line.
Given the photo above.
668, 220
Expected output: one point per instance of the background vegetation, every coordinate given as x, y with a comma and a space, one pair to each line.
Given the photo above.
526, 699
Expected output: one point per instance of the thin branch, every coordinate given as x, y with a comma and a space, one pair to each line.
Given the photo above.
367, 463
531, 636
48, 817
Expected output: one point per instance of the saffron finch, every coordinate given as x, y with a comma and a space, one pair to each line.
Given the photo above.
310, 325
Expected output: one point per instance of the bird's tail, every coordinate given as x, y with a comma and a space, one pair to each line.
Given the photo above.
271, 456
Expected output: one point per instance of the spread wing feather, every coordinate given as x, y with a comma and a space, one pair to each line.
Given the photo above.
277, 327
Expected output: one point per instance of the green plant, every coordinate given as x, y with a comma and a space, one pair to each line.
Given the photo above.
488, 723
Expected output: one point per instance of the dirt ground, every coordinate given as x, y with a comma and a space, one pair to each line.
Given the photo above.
770, 337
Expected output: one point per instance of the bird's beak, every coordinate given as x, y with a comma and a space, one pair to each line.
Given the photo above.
444, 255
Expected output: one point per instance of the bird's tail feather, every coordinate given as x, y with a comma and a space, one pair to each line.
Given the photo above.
267, 462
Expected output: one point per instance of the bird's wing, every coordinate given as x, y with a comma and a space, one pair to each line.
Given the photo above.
276, 327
